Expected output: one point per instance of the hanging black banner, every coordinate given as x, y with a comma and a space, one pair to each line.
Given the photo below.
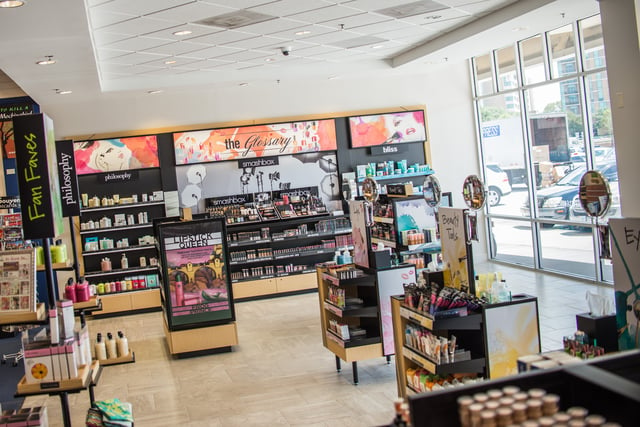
68, 178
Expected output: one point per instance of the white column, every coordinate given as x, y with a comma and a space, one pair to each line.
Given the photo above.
620, 29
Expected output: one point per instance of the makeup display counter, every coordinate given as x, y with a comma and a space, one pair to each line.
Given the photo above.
607, 386
462, 344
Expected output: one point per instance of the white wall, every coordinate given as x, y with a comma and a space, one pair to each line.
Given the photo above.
444, 89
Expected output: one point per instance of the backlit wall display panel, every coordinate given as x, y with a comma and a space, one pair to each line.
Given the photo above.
254, 141
118, 154
390, 128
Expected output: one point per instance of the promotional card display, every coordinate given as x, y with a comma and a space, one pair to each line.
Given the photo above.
195, 267
390, 128
17, 280
454, 246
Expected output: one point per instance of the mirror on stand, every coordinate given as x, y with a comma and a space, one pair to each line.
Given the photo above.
474, 193
370, 192
594, 195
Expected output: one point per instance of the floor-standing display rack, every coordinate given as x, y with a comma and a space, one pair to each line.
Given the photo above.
199, 314
488, 341
116, 237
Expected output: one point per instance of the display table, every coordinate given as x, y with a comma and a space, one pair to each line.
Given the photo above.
24, 318
87, 378
211, 339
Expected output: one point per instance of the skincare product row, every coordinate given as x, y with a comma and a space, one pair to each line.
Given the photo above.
129, 283
119, 220
93, 244
111, 347
115, 199
389, 167
439, 349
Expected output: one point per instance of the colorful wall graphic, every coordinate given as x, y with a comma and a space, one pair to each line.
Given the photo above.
625, 247
254, 141
391, 128
117, 154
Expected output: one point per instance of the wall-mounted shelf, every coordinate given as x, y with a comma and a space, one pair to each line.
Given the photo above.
121, 206
118, 250
115, 229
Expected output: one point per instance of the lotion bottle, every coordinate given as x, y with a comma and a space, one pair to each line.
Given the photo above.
124, 262
100, 348
112, 350
123, 345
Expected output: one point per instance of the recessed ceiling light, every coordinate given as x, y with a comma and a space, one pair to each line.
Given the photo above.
182, 33
48, 61
11, 3
303, 33
269, 60
63, 92
153, 92
170, 61
332, 77
377, 46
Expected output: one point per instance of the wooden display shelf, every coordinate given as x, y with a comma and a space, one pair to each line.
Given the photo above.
56, 266
129, 358
141, 299
274, 285
93, 302
356, 352
22, 317
74, 384
296, 282
201, 339
254, 288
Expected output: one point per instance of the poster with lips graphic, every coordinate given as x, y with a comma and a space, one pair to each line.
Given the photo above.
254, 141
390, 128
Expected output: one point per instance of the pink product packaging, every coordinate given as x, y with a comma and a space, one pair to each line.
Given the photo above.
82, 292
38, 365
54, 326
71, 354
67, 319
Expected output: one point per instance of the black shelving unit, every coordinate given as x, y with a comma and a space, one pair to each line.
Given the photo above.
275, 257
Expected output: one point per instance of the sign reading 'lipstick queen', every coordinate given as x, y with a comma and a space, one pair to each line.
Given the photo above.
254, 141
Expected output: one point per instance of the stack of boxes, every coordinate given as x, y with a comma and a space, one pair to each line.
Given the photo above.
59, 357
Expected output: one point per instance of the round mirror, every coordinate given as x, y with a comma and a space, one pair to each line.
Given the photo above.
594, 193
473, 192
370, 189
431, 191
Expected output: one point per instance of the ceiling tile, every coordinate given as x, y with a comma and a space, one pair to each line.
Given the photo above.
175, 48
138, 8
288, 7
315, 50
381, 27
325, 14
135, 44
221, 37
212, 52
104, 38
125, 68
371, 5
332, 37
237, 4
458, 3
134, 58
258, 43
356, 22
191, 12
104, 19
481, 8
246, 56
313, 30
446, 24
273, 26
437, 16
411, 9
196, 31
139, 26
106, 54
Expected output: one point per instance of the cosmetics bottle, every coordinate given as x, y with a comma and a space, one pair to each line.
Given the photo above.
100, 348
112, 349
179, 294
124, 262
70, 290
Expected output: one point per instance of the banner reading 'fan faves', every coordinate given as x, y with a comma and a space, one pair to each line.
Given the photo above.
117, 154
254, 141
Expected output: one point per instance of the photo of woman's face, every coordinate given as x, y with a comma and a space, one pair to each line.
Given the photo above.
110, 157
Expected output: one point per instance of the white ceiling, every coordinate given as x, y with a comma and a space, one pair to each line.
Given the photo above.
107, 47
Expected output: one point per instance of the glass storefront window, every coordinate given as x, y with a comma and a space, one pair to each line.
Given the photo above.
562, 47
484, 75
511, 241
592, 43
532, 60
568, 250
506, 68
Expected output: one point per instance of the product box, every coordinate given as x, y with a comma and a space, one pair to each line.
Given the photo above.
67, 319
152, 281
38, 364
71, 353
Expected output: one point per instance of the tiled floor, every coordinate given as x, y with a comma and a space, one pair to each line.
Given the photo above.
280, 374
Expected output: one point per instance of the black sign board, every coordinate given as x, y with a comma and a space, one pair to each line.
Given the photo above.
236, 199
9, 202
399, 189
68, 178
37, 176
120, 176
258, 162
380, 150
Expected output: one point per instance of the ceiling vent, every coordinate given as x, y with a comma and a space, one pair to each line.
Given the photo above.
411, 9
240, 18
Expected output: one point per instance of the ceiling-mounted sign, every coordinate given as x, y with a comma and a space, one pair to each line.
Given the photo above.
390, 128
254, 141
37, 176
118, 154
68, 179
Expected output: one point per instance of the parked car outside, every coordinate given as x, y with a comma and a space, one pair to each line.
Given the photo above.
555, 202
497, 184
